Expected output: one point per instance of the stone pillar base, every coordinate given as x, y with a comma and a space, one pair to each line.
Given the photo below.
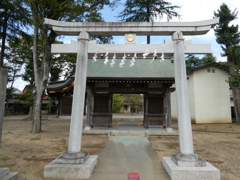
190, 160
69, 171
189, 173
87, 128
72, 158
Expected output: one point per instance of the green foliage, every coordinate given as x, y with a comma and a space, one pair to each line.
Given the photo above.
62, 65
5, 158
14, 19
235, 80
118, 102
147, 10
238, 136
27, 96
225, 63
208, 58
227, 34
16, 56
193, 61
134, 101
61, 10
35, 138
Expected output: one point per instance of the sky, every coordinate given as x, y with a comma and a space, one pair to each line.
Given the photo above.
191, 10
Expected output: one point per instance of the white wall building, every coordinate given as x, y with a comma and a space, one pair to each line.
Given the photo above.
209, 95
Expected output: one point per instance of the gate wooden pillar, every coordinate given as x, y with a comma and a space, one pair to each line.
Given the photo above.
168, 109
89, 107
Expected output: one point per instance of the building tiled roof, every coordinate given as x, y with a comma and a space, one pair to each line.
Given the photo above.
142, 70
225, 68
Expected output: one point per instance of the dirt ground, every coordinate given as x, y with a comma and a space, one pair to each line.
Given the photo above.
28, 153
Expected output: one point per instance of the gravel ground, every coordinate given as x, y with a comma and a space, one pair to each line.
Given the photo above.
28, 153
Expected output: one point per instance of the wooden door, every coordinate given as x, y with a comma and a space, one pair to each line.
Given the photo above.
65, 105
102, 110
154, 115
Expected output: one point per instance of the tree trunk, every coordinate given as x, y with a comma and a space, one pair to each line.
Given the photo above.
41, 73
3, 82
235, 90
4, 34
37, 108
30, 114
36, 123
236, 101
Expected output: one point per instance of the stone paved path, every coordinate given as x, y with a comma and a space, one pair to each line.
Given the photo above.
125, 154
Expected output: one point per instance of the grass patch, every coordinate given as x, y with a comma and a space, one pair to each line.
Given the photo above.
211, 153
172, 146
238, 136
5, 158
35, 138
9, 132
208, 152
23, 151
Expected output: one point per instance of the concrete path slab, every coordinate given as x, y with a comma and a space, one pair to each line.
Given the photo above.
125, 154
128, 127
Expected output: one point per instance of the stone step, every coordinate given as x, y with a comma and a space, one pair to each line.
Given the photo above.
127, 133
11, 176
3, 172
6, 175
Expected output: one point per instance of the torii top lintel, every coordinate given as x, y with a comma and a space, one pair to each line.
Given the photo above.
139, 28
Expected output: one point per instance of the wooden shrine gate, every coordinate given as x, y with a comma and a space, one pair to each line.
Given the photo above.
157, 105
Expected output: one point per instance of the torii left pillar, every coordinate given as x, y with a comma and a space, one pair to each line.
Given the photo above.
75, 164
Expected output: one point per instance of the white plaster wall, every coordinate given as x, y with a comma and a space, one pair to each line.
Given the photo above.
209, 97
122, 110
211, 94
192, 99
173, 105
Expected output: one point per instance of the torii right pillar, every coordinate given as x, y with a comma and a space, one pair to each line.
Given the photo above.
185, 165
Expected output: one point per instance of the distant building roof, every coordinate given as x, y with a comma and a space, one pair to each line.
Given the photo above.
225, 68
16, 91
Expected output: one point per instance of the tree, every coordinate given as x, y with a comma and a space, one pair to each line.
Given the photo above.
118, 102
13, 64
13, 18
62, 10
147, 11
228, 36
134, 101
193, 61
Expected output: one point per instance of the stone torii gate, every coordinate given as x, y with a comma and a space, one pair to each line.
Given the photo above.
78, 164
